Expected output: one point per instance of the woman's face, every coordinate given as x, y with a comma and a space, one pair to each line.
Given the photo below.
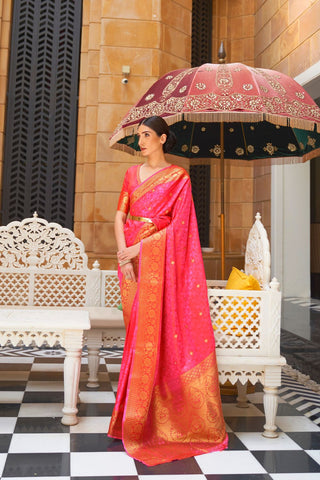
149, 141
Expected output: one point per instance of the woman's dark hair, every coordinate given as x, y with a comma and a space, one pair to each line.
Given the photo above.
160, 126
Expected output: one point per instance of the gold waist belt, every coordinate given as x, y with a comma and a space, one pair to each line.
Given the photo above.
141, 219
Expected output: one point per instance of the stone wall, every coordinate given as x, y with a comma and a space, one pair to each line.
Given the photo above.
234, 23
287, 39
151, 38
287, 35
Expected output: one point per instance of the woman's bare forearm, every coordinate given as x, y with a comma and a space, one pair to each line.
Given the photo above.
123, 258
119, 222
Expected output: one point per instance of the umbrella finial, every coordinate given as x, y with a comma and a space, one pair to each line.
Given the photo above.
222, 54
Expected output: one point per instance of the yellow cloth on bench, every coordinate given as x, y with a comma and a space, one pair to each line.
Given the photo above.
241, 281
238, 281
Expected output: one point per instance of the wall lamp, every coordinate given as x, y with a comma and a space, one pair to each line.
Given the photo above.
125, 74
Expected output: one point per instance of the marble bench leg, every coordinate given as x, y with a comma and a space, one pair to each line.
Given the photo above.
242, 401
72, 366
270, 399
270, 402
94, 342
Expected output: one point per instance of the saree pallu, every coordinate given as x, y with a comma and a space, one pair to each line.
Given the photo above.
168, 403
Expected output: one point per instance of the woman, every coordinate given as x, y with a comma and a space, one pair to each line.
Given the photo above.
168, 402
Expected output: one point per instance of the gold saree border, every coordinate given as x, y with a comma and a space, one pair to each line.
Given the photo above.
159, 178
194, 415
124, 201
188, 420
141, 383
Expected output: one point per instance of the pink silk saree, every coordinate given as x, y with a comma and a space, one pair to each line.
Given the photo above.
168, 404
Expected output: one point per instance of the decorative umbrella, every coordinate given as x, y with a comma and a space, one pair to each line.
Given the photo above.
229, 111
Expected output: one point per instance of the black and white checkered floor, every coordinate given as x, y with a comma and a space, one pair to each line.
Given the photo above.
34, 444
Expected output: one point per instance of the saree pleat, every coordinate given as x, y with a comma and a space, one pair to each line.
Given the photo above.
168, 403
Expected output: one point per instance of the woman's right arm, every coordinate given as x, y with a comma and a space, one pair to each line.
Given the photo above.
119, 221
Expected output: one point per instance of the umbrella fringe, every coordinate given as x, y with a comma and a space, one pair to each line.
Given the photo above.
177, 117
132, 129
223, 116
302, 124
230, 117
122, 133
126, 148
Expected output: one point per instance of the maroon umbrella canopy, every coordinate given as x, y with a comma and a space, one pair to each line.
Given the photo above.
229, 111
250, 100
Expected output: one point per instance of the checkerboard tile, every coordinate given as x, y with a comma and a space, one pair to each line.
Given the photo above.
34, 443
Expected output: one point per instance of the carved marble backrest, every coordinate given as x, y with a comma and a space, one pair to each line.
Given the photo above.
34, 242
42, 264
257, 256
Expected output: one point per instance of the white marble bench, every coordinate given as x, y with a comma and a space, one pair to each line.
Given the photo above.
38, 326
44, 273
46, 291
246, 355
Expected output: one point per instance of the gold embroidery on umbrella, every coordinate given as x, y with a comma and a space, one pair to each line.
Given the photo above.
224, 78
216, 150
231, 130
239, 151
292, 147
184, 148
311, 141
203, 129
172, 85
217, 102
271, 80
225, 104
195, 149
250, 148
269, 148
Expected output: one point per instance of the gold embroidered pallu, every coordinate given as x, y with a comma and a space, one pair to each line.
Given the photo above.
168, 403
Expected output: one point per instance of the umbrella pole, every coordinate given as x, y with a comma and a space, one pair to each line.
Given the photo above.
222, 201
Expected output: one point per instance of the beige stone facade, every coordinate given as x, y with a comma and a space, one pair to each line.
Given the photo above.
152, 38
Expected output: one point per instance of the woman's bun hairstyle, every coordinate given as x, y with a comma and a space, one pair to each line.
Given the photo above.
170, 142
160, 126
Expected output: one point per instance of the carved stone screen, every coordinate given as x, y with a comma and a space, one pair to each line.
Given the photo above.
200, 180
42, 103
201, 53
201, 32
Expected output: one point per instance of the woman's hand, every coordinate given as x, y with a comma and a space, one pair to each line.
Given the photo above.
128, 253
124, 257
128, 272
